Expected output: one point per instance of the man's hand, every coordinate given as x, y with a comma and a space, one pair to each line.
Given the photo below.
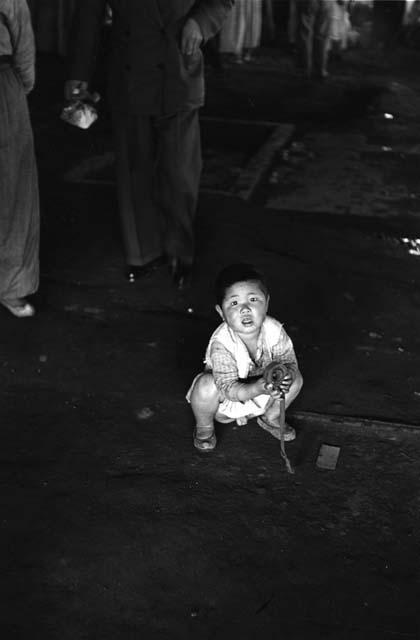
191, 38
76, 90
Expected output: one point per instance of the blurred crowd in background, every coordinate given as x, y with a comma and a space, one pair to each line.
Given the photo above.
256, 23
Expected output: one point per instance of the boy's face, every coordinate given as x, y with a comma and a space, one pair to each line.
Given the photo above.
244, 308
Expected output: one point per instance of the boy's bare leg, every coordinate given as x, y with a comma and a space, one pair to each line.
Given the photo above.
270, 421
273, 411
204, 400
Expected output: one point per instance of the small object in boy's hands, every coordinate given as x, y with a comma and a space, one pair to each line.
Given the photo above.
328, 457
274, 374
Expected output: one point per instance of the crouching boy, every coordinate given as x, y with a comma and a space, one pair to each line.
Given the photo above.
232, 386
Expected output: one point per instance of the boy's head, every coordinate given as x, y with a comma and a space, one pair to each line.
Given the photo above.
242, 298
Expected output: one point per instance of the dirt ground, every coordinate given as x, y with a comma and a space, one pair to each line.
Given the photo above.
112, 525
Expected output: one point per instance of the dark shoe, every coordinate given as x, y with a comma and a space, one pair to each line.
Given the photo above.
135, 272
204, 439
181, 273
289, 433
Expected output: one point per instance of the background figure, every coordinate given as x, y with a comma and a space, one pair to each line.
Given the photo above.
19, 202
315, 23
387, 22
292, 23
241, 33
340, 26
155, 88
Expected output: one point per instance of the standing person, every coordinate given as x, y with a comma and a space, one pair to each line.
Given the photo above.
315, 18
19, 201
155, 88
387, 22
241, 33
340, 27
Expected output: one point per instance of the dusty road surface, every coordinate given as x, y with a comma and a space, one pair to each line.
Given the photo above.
113, 527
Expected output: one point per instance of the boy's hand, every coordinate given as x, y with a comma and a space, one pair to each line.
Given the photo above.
276, 391
273, 391
286, 383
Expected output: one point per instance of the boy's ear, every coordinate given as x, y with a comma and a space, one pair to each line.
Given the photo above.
219, 311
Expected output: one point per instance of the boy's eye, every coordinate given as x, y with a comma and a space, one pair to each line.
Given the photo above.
234, 303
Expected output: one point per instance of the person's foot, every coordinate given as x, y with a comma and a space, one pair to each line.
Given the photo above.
19, 307
204, 439
289, 433
137, 272
181, 273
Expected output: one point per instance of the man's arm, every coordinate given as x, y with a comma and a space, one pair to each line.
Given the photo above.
210, 15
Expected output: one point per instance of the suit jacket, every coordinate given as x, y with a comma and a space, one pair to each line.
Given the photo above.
148, 75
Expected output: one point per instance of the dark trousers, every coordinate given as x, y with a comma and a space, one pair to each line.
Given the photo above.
315, 19
158, 163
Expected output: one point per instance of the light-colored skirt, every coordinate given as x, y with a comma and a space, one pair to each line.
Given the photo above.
19, 200
242, 28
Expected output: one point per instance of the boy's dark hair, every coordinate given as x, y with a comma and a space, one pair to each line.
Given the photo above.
239, 272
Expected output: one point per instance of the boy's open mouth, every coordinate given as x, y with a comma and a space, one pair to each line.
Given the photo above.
247, 322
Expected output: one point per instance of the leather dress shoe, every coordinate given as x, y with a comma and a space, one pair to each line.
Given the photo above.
181, 273
137, 272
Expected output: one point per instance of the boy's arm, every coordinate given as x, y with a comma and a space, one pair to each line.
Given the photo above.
226, 376
283, 352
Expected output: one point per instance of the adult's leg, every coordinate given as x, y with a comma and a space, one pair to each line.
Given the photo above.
19, 201
233, 30
322, 36
178, 179
135, 154
307, 13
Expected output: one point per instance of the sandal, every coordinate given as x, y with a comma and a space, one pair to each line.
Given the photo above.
206, 444
288, 435
19, 307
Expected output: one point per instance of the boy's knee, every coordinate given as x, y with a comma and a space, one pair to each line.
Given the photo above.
298, 382
205, 387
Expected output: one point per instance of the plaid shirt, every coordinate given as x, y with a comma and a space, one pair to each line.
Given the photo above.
225, 370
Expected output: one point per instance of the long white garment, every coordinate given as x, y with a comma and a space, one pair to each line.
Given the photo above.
242, 29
